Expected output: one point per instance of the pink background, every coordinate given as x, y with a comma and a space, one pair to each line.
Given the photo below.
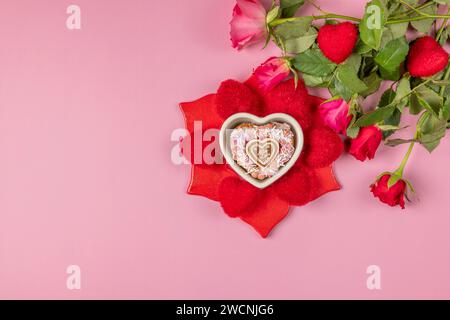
86, 176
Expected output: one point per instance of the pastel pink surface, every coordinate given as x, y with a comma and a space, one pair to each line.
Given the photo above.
86, 176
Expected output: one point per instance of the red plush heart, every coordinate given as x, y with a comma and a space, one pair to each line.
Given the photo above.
324, 148
426, 58
234, 97
237, 197
337, 41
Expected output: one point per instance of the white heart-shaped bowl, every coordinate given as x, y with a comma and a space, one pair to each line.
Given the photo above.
239, 118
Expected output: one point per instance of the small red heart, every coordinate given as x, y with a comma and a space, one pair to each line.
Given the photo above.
426, 58
337, 41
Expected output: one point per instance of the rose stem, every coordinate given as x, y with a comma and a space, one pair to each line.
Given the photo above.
401, 168
444, 24
423, 6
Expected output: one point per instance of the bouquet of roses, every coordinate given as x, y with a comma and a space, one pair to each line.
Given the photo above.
400, 41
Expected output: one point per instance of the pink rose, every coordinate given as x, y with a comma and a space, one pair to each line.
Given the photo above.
248, 25
271, 73
335, 115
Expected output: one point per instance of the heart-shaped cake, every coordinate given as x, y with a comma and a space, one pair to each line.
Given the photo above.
261, 150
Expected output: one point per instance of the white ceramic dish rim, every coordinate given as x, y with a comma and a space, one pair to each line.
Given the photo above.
238, 118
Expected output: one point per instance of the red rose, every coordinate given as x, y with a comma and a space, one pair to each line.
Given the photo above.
393, 196
366, 144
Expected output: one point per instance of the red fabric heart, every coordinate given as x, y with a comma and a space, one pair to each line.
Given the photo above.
324, 148
426, 58
337, 41
237, 197
234, 97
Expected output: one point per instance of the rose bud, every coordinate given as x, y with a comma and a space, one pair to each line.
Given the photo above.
366, 144
335, 114
272, 72
392, 195
248, 25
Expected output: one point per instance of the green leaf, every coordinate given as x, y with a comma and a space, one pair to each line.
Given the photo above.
290, 7
302, 43
384, 111
273, 14
402, 93
313, 81
445, 111
362, 48
390, 125
431, 130
393, 75
386, 38
414, 106
389, 98
354, 61
397, 142
294, 29
368, 66
403, 90
396, 8
354, 110
391, 57
376, 116
430, 100
313, 62
372, 24
296, 36
339, 89
425, 25
347, 76
373, 82
398, 30
353, 131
